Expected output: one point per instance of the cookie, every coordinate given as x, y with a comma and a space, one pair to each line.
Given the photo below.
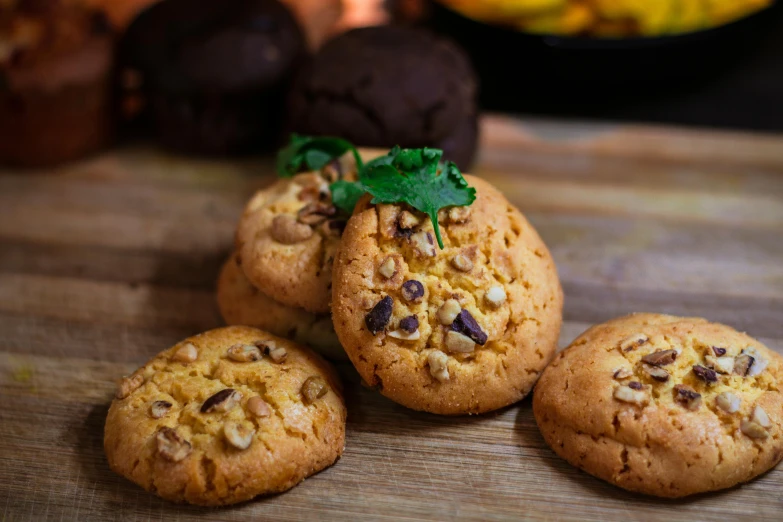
241, 303
288, 235
389, 85
225, 416
662, 405
215, 73
466, 329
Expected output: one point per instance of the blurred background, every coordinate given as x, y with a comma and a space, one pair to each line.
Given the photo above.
235, 77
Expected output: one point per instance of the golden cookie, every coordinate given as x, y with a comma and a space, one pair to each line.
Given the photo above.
664, 405
241, 303
466, 329
225, 416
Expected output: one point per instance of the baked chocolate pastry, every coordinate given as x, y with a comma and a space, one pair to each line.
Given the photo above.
389, 85
55, 82
215, 73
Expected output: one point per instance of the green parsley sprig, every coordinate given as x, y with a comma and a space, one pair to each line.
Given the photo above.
413, 176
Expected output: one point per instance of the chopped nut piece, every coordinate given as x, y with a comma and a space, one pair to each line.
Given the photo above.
185, 354
636, 385
438, 362
333, 227
423, 244
314, 388
631, 395
760, 417
288, 231
377, 318
660, 358
405, 336
760, 363
278, 354
657, 373
753, 430
128, 385
388, 268
238, 435
465, 324
719, 352
462, 263
495, 296
410, 324
622, 373
459, 214
723, 364
160, 409
705, 374
412, 291
258, 407
244, 353
407, 220
743, 363
171, 445
449, 311
332, 171
456, 342
687, 397
633, 342
315, 213
222, 401
728, 402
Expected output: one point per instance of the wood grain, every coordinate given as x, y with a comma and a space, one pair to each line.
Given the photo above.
105, 263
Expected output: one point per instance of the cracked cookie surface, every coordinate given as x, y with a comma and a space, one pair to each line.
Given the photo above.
466, 329
225, 416
664, 405
241, 303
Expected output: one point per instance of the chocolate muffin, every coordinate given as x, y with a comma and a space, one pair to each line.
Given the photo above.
386, 86
214, 73
55, 82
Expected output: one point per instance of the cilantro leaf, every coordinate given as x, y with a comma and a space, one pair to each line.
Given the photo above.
312, 153
412, 176
345, 194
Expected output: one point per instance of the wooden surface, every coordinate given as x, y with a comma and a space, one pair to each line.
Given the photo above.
105, 263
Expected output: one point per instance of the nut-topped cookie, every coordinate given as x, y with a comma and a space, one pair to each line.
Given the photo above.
225, 416
466, 328
288, 235
664, 405
241, 303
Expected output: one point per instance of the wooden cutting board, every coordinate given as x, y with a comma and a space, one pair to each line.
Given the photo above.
105, 263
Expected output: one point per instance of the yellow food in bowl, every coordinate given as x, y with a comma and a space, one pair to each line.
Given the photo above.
607, 18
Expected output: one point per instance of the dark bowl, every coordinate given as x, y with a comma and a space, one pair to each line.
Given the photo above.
539, 73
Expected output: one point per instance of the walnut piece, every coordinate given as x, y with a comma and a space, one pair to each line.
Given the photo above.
388, 268
660, 358
222, 401
627, 394
288, 231
315, 213
723, 364
622, 373
423, 244
438, 362
171, 445
160, 409
728, 402
456, 342
314, 388
258, 407
128, 385
458, 214
495, 296
238, 435
244, 353
705, 374
633, 342
449, 311
278, 354
407, 220
743, 363
462, 263
760, 362
185, 354
687, 397
657, 373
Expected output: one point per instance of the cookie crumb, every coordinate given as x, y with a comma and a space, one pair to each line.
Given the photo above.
171, 445
185, 354
313, 388
448, 312
222, 401
728, 402
238, 435
456, 342
495, 296
288, 231
438, 362
258, 407
160, 409
412, 291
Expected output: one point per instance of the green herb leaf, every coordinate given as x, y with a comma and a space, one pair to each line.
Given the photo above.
312, 153
412, 176
345, 195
